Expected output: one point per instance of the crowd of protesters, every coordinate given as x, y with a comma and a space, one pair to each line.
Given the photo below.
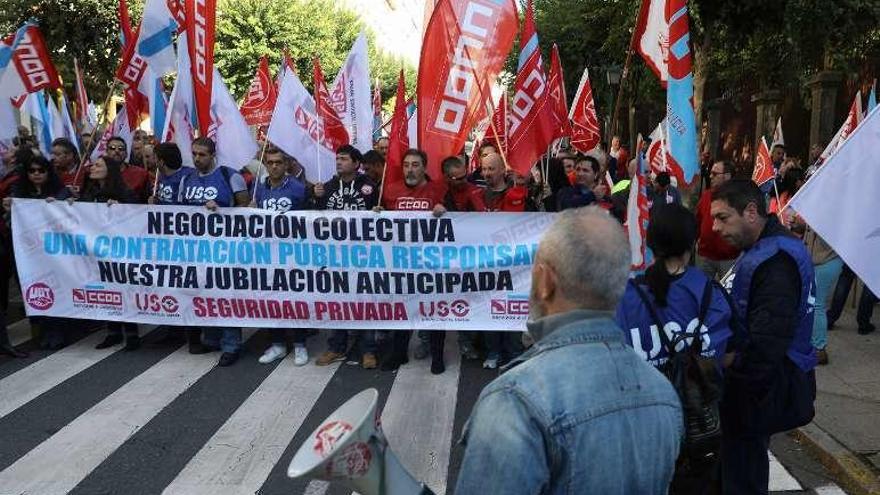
731, 280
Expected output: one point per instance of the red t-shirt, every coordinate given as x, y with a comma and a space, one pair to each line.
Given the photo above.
710, 245
399, 196
465, 198
137, 180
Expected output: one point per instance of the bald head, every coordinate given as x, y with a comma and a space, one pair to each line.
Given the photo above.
493, 169
582, 263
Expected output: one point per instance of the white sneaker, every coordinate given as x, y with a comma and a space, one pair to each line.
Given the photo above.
273, 353
300, 355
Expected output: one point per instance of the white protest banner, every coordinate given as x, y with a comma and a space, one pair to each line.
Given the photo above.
183, 265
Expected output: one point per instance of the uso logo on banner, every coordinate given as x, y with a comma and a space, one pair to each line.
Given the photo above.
39, 296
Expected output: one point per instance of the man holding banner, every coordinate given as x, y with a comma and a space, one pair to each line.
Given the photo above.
214, 186
416, 193
280, 192
348, 190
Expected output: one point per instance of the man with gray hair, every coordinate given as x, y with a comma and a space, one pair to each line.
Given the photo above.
579, 412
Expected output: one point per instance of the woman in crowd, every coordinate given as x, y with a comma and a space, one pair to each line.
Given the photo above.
104, 184
671, 308
39, 180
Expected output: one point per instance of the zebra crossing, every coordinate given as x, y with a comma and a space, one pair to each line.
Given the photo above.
161, 420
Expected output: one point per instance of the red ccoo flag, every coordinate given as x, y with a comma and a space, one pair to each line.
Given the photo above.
558, 98
398, 138
651, 37
465, 46
201, 20
259, 103
335, 134
82, 99
763, 171
496, 131
135, 102
531, 114
585, 133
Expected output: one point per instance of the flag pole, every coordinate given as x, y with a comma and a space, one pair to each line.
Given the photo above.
625, 74
260, 167
88, 147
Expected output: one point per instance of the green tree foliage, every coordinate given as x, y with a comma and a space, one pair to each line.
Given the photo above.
740, 47
248, 29
85, 29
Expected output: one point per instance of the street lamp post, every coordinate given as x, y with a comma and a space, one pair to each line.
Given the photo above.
613, 74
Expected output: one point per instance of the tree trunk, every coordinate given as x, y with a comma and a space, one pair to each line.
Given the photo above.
701, 61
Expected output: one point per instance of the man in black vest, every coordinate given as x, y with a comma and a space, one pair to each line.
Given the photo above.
771, 386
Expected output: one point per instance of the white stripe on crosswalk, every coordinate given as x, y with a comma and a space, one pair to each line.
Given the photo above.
26, 384
242, 453
419, 415
66, 458
829, 490
780, 479
317, 487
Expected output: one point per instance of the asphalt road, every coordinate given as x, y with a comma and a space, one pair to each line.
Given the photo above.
160, 420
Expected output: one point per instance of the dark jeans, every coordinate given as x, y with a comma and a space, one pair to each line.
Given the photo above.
400, 341
366, 339
502, 344
118, 328
745, 465
279, 335
841, 292
866, 308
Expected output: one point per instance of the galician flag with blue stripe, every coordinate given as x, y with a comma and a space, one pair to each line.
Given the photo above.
872, 97
681, 121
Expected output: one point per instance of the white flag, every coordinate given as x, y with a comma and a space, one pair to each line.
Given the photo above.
777, 134
8, 124
351, 96
119, 127
35, 103
840, 201
235, 143
181, 109
652, 37
412, 130
69, 128
155, 40
56, 122
295, 129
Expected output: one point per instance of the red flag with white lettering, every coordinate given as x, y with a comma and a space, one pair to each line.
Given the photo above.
531, 114
585, 133
259, 103
465, 46
398, 139
496, 132
201, 19
651, 37
763, 171
558, 98
131, 68
82, 99
30, 68
335, 134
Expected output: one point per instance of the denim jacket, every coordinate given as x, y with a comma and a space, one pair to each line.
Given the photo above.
578, 413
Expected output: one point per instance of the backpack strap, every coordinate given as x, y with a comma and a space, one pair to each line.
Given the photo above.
705, 302
664, 339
